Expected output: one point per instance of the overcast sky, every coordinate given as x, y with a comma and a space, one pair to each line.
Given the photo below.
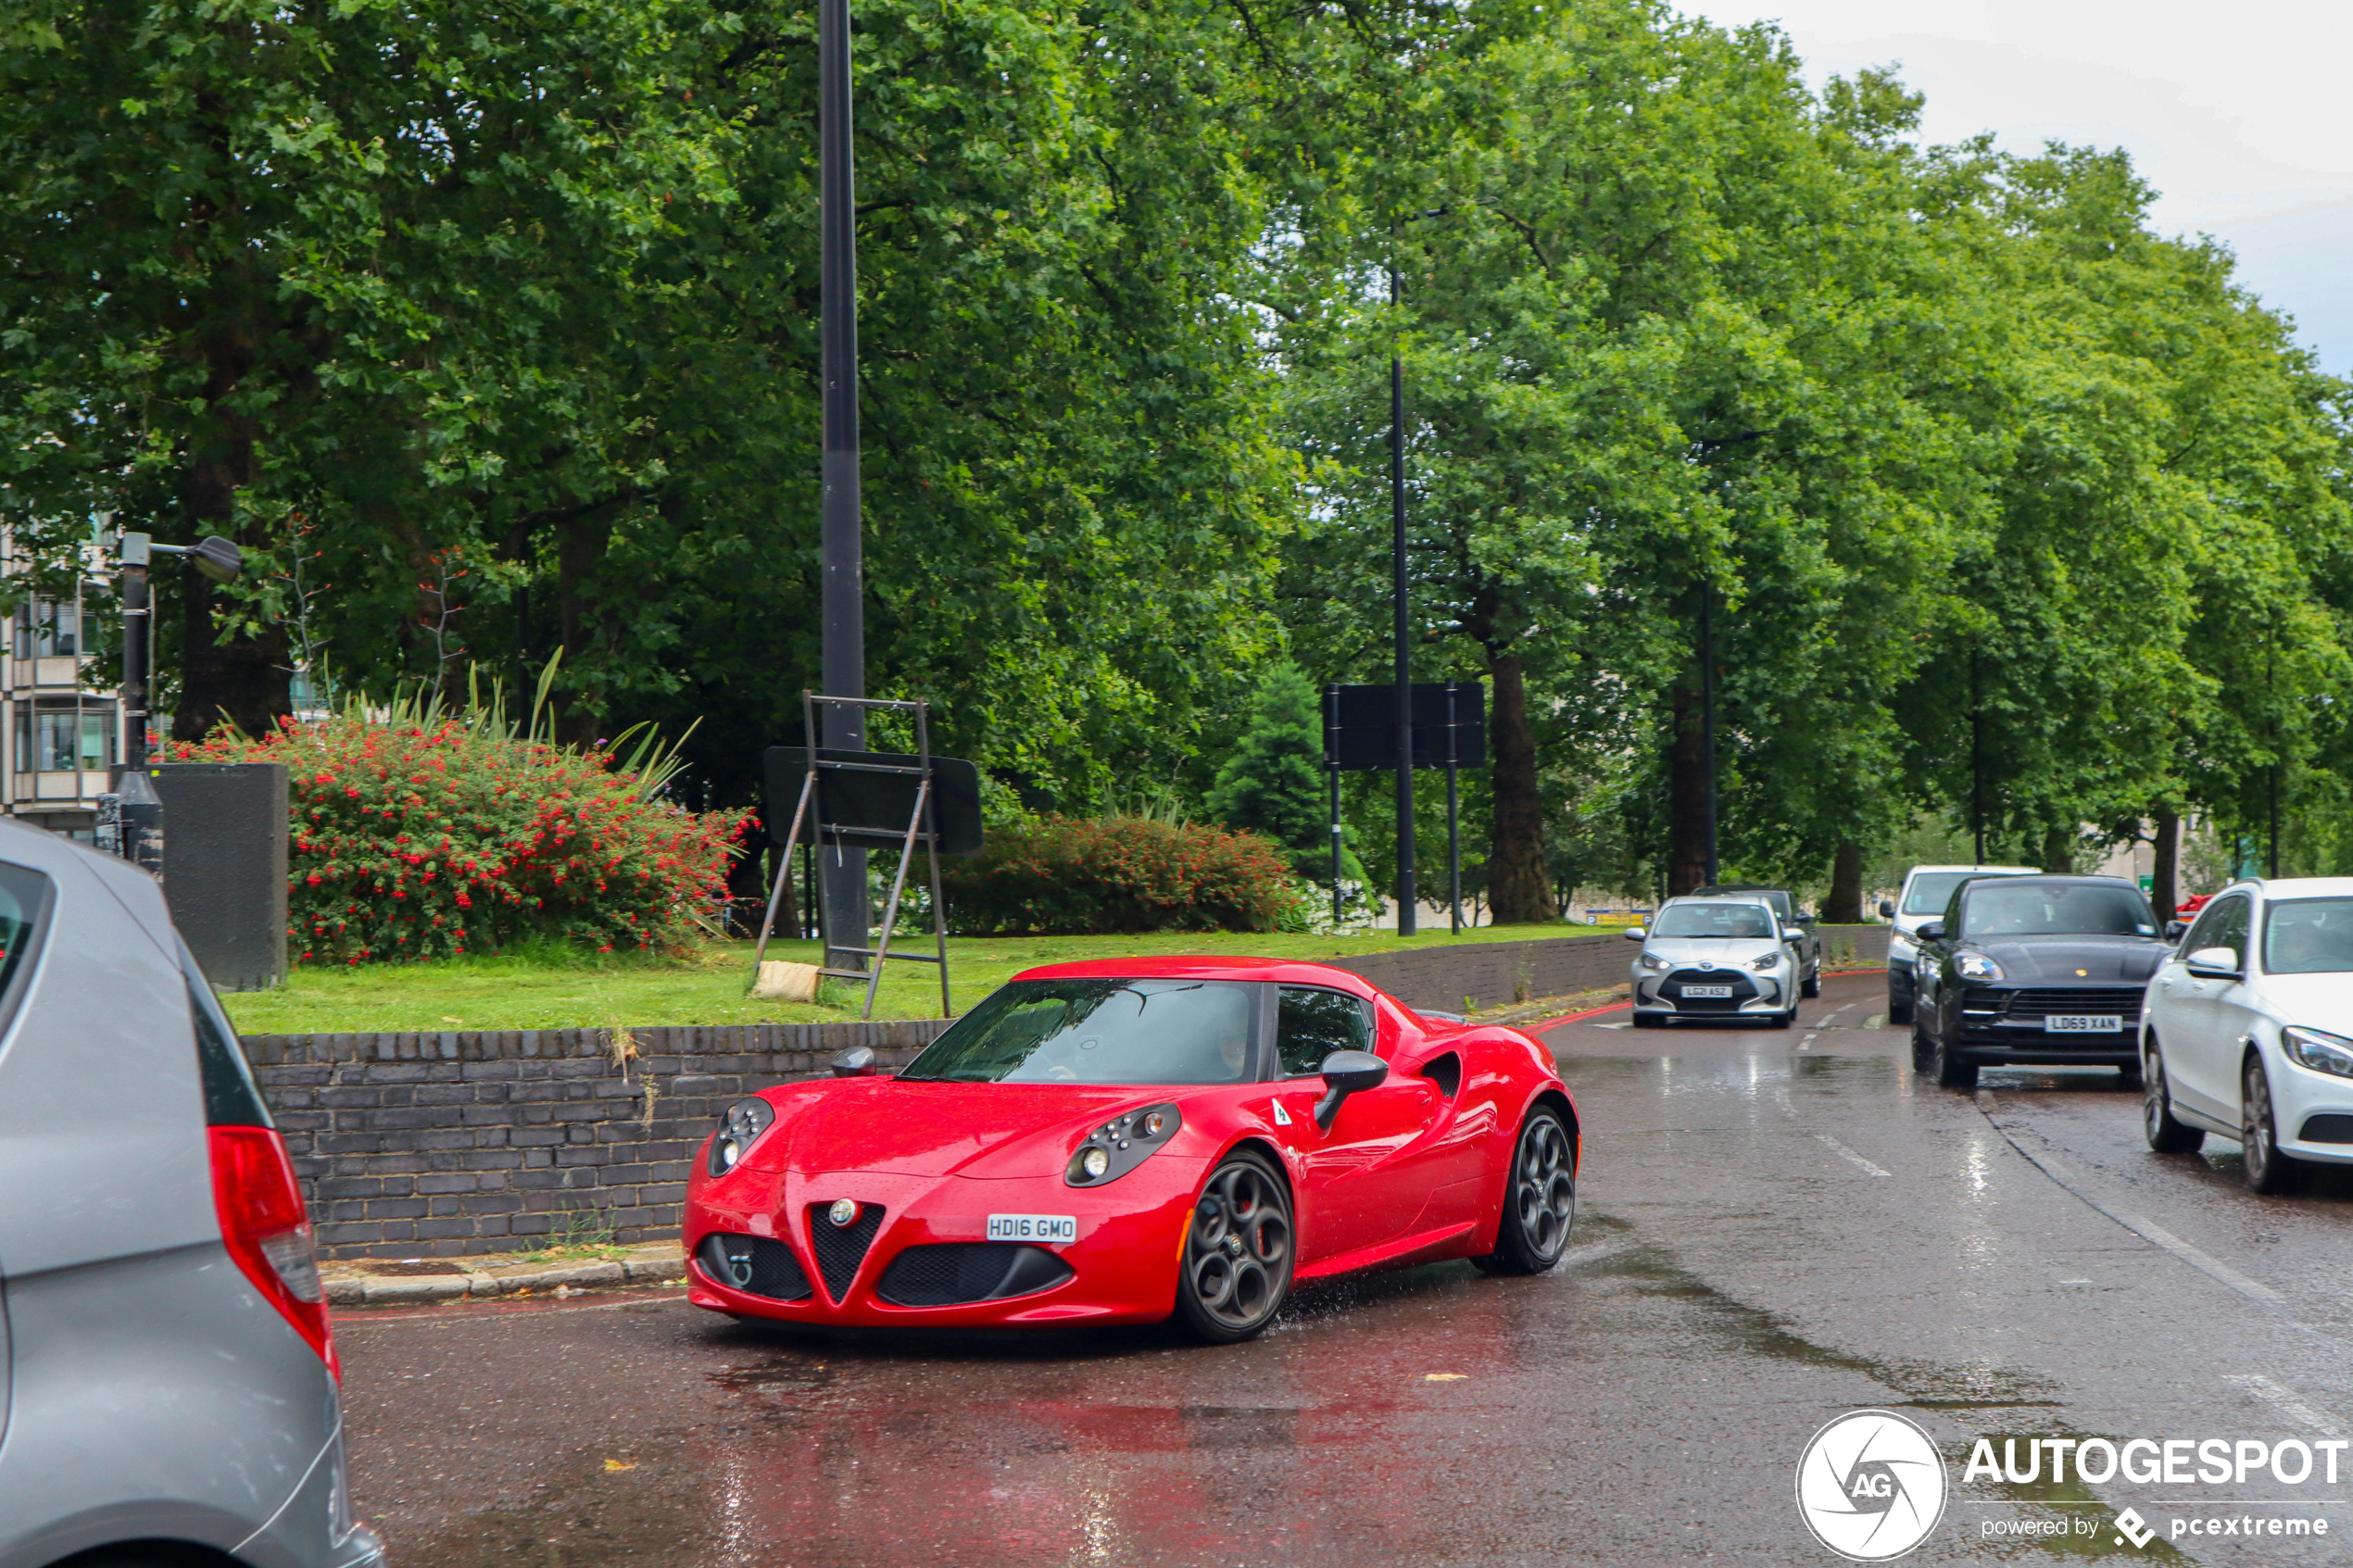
2240, 115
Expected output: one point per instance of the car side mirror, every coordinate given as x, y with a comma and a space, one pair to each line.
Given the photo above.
2216, 962
1886, 909
1804, 920
1637, 933
2176, 929
1932, 931
1346, 1072
858, 1061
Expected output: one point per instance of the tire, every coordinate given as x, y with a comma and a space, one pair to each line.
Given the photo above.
1812, 984
1238, 1252
2267, 1171
1649, 1021
1951, 1075
2165, 1134
1539, 1199
1923, 1053
1784, 1019
1899, 1008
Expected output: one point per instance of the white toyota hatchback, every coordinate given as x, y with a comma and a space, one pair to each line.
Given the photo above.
2247, 1029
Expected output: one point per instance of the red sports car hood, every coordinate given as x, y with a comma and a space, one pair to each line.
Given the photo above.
925, 1129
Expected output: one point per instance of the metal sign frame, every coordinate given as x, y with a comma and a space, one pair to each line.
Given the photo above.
1449, 731
922, 826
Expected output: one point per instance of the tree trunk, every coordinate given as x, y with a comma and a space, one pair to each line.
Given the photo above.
1844, 905
244, 680
580, 549
2058, 851
1686, 796
1519, 882
2165, 884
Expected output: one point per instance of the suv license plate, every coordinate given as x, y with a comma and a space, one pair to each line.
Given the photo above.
1723, 991
2084, 1023
1032, 1228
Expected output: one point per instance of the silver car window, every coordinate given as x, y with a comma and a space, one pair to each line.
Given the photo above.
1714, 919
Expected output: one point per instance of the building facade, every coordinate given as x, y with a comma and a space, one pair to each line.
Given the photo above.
60, 735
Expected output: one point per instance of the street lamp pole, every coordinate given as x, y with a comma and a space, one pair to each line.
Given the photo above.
843, 894
130, 815
1708, 714
1405, 893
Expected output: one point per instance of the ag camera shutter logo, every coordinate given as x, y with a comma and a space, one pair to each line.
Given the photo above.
1871, 1486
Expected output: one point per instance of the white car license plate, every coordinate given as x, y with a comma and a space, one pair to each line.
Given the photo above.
1033, 1228
1724, 991
2084, 1023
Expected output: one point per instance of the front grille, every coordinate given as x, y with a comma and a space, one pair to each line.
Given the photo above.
840, 1249
758, 1264
2033, 1006
951, 1273
1743, 989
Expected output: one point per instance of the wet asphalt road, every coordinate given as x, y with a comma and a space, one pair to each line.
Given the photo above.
1775, 1228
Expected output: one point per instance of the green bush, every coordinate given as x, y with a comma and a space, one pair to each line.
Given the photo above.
1066, 876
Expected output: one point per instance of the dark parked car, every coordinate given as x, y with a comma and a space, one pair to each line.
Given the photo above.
1806, 943
2034, 971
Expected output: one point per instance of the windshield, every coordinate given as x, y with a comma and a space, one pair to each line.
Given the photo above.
2000, 908
1931, 891
1714, 919
1105, 1030
2309, 937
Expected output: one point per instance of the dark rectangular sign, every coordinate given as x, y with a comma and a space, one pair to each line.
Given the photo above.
1360, 725
872, 810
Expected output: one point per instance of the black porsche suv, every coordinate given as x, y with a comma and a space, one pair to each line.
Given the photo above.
2039, 970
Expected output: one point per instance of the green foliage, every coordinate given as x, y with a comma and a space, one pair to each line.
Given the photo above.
1063, 876
1273, 782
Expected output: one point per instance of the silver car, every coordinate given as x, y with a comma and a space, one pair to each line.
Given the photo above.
170, 1372
1714, 958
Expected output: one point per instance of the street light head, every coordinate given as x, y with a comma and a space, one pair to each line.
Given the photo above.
218, 558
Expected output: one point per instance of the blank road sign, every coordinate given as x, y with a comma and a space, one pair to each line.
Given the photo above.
873, 809
1360, 725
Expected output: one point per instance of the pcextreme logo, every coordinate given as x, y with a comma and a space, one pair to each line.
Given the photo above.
1871, 1486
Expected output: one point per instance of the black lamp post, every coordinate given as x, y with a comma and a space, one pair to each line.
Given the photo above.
842, 877
131, 820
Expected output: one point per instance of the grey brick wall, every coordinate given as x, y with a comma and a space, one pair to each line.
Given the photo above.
414, 1145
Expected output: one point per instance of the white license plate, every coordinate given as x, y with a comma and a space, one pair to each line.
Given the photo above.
2084, 1023
1724, 991
1033, 1228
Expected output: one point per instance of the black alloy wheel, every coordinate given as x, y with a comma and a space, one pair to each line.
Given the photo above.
1238, 1252
2267, 1171
1539, 1199
1950, 1073
2165, 1134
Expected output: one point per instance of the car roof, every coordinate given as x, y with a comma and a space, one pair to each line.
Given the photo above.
1753, 903
2092, 879
1989, 871
2295, 886
1279, 970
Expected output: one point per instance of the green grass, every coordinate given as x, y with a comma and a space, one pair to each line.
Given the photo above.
558, 990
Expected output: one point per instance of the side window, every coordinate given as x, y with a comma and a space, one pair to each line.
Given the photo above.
1309, 1024
2216, 925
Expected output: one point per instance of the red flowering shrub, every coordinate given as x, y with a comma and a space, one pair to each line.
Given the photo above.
1067, 876
415, 841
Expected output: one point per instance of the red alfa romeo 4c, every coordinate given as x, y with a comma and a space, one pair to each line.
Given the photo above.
1122, 1141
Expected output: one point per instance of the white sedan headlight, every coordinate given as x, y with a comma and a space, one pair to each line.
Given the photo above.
1977, 966
1766, 960
1900, 947
1651, 960
2332, 1054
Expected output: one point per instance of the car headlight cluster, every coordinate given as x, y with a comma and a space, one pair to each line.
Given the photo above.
2332, 1054
1121, 1144
1899, 946
1766, 960
1977, 966
1651, 960
739, 1127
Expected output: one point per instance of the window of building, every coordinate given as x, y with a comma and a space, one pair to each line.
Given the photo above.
48, 627
57, 740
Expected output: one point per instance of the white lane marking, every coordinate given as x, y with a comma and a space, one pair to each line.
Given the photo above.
1835, 1011
1876, 1021
2287, 1401
1808, 1041
1850, 1156
2141, 1225
1628, 1024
